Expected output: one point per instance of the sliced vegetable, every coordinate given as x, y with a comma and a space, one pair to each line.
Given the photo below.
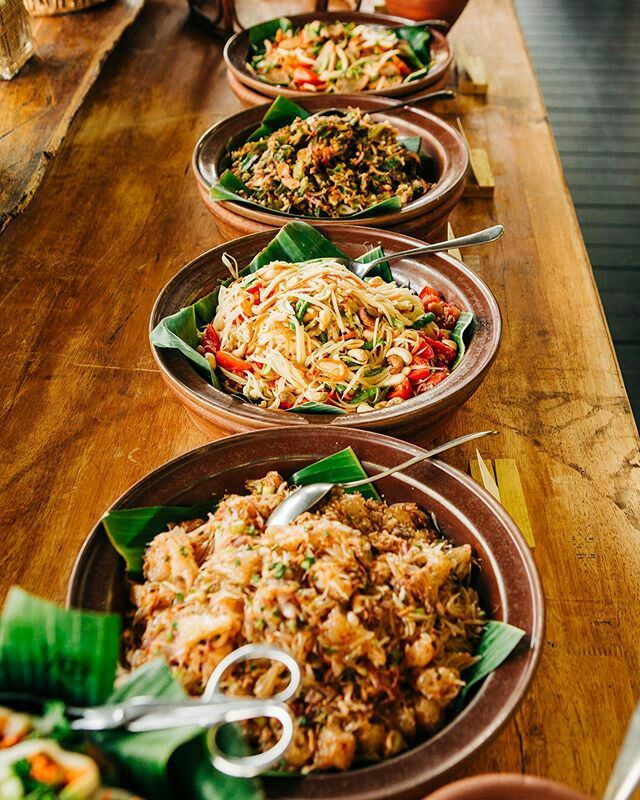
233, 363
457, 335
404, 390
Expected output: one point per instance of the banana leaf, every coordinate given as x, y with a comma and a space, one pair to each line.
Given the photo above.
229, 186
316, 408
457, 335
174, 762
499, 640
57, 654
258, 34
339, 467
418, 37
280, 113
131, 529
297, 241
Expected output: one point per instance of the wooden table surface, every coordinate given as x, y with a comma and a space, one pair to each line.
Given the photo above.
85, 414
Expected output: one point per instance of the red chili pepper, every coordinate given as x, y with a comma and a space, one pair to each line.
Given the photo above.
210, 339
254, 289
306, 75
439, 347
403, 390
233, 363
436, 378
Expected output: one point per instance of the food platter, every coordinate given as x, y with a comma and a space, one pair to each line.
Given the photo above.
507, 581
213, 410
237, 50
426, 215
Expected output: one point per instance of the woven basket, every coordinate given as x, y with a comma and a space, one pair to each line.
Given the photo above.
46, 8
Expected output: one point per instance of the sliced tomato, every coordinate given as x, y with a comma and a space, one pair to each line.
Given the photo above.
440, 347
420, 370
210, 339
429, 295
399, 64
424, 350
233, 363
403, 390
305, 75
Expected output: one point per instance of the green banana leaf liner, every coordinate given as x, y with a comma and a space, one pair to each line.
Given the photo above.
284, 111
297, 241
417, 37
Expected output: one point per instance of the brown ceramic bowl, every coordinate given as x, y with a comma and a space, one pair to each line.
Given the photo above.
507, 581
426, 216
506, 787
216, 412
236, 52
448, 10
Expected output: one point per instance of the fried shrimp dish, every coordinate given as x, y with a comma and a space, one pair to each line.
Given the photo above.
370, 599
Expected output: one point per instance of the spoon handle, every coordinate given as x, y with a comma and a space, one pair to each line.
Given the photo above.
625, 777
441, 94
416, 459
479, 237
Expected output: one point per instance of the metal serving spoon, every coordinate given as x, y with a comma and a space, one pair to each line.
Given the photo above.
441, 94
306, 497
625, 777
361, 269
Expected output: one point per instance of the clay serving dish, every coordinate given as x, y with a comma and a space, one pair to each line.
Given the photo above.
506, 579
216, 412
426, 217
506, 787
448, 10
237, 50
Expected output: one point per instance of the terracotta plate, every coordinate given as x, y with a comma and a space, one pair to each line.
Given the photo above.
507, 581
215, 411
236, 53
440, 142
506, 787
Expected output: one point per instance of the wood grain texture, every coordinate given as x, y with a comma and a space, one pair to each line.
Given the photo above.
39, 103
84, 412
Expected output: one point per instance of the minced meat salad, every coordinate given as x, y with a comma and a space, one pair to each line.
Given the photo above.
329, 166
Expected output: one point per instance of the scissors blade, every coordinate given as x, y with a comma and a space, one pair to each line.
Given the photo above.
203, 715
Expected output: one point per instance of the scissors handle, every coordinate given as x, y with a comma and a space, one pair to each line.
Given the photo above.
251, 652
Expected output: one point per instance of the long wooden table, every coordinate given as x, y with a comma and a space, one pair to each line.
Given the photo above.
85, 414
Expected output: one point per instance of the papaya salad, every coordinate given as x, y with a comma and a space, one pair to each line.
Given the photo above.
313, 332
329, 166
340, 57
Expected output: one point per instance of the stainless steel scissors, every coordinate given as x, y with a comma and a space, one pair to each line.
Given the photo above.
210, 712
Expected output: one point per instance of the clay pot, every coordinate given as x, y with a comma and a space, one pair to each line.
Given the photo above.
448, 10
506, 787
